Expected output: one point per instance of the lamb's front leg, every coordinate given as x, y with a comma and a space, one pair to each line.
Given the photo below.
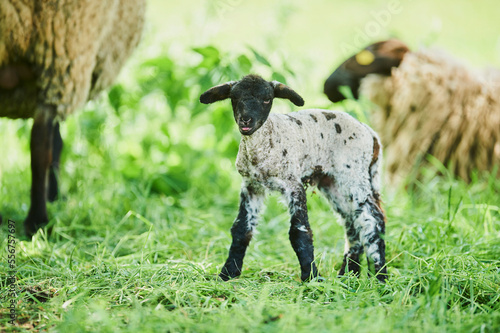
251, 198
301, 235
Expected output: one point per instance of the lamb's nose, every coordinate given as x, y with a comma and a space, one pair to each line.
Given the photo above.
246, 120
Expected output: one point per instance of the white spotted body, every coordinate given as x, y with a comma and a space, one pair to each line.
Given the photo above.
293, 147
302, 148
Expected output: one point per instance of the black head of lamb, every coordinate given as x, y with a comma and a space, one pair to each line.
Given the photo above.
252, 99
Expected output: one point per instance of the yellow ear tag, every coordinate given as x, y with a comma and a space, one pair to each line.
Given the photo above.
365, 58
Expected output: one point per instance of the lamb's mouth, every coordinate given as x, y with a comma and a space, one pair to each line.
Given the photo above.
246, 130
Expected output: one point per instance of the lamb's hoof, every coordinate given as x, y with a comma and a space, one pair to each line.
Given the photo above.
382, 276
32, 224
228, 274
307, 276
224, 277
318, 278
382, 279
349, 273
227, 277
354, 267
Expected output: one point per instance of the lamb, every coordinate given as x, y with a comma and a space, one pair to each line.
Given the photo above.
426, 103
285, 152
54, 56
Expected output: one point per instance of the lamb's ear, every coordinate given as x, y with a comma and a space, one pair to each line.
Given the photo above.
217, 93
283, 91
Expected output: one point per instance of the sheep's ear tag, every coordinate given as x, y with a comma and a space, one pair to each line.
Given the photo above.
364, 58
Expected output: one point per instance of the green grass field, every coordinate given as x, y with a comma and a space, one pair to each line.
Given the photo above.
150, 191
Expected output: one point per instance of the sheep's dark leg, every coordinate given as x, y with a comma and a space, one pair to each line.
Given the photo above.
41, 157
242, 231
301, 235
57, 145
353, 248
371, 222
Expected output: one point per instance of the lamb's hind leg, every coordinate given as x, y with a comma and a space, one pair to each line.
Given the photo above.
41, 157
370, 220
251, 199
353, 247
300, 233
352, 250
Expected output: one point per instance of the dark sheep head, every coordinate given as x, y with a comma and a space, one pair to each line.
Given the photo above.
251, 98
378, 58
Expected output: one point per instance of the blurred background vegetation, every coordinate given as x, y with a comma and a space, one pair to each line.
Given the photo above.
150, 127
148, 176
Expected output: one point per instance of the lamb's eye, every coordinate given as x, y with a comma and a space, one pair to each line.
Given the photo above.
267, 101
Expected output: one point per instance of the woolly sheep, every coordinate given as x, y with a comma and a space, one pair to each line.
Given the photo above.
285, 152
54, 56
426, 103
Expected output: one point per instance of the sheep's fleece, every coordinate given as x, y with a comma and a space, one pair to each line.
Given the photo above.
294, 146
74, 48
432, 104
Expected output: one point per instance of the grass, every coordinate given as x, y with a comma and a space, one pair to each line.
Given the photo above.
107, 270
149, 193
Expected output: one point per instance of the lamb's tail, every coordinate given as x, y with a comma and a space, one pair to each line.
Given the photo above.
375, 169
